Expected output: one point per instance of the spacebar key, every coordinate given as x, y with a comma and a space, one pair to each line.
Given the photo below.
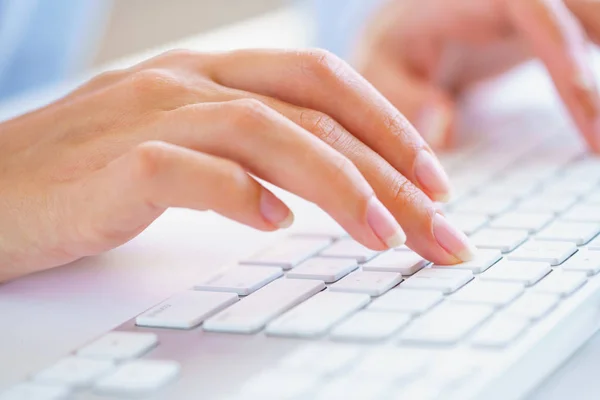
252, 313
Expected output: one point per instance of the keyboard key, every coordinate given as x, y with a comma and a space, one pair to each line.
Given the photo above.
505, 240
483, 205
325, 269
582, 213
394, 364
275, 385
468, 223
370, 326
138, 377
594, 244
500, 331
349, 248
508, 188
332, 359
368, 282
289, 253
252, 313
484, 259
118, 345
402, 248
407, 301
317, 315
544, 203
446, 324
554, 253
577, 232
242, 280
491, 293
524, 272
444, 280
75, 372
531, 222
533, 305
567, 185
34, 391
186, 310
402, 262
561, 283
584, 260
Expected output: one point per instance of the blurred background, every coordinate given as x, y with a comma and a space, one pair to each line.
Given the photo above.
132, 24
47, 41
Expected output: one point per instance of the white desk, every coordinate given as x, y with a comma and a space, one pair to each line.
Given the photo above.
46, 315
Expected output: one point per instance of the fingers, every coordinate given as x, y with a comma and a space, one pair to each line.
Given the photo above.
588, 13
275, 149
560, 42
320, 81
427, 106
411, 207
133, 190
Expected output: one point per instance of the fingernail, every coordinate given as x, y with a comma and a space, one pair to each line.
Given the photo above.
384, 224
433, 125
452, 240
274, 211
432, 177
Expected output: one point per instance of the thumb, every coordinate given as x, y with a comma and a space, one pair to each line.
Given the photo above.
428, 107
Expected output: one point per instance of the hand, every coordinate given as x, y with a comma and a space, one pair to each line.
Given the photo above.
92, 170
422, 53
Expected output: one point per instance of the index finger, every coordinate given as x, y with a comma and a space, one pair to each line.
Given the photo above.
558, 39
318, 80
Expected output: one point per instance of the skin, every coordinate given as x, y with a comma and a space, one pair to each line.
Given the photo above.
422, 54
94, 169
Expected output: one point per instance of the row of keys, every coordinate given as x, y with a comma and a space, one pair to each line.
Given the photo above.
135, 377
190, 309
107, 366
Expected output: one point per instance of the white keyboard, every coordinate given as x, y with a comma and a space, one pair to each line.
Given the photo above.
319, 316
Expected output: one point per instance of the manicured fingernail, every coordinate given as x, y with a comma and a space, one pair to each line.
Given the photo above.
432, 177
384, 224
452, 240
274, 211
433, 125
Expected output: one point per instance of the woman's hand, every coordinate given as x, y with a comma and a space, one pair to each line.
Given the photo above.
92, 170
421, 53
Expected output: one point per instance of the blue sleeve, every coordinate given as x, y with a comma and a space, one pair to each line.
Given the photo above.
45, 41
339, 22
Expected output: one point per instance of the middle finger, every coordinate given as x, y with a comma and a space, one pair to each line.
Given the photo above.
428, 233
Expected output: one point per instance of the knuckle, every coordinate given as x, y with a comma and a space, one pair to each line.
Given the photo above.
106, 77
147, 158
403, 191
322, 126
396, 124
235, 176
178, 54
246, 113
153, 83
321, 64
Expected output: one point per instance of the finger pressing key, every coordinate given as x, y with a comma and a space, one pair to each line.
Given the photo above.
558, 38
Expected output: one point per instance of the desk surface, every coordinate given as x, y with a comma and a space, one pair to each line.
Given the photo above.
47, 315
